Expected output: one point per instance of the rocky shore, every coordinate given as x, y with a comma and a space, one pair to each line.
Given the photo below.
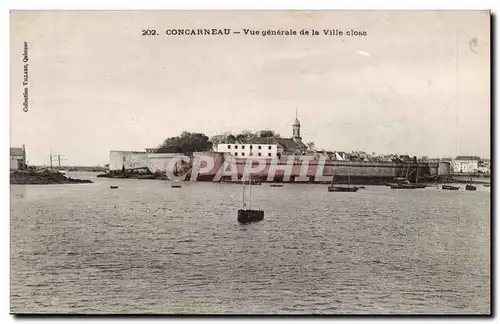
42, 177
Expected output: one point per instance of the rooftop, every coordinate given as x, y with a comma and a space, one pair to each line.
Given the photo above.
468, 158
16, 151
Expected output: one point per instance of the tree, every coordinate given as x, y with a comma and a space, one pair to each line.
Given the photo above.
218, 139
186, 143
231, 138
268, 133
311, 146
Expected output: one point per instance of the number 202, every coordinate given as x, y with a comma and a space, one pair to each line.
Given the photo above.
148, 32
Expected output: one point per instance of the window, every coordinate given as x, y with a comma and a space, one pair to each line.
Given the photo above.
269, 154
251, 146
260, 147
243, 146
251, 154
229, 146
269, 147
242, 153
236, 146
260, 154
235, 153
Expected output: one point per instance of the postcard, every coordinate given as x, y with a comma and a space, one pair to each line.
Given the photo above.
250, 162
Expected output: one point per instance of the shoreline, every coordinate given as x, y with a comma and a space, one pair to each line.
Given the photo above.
42, 178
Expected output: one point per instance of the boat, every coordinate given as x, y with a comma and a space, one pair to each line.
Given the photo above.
404, 183
276, 185
449, 187
249, 215
469, 186
408, 186
176, 186
252, 182
333, 188
113, 187
486, 185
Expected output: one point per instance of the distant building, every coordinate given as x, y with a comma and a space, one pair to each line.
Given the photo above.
269, 147
18, 158
465, 164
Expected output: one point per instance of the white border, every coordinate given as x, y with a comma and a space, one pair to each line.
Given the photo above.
187, 4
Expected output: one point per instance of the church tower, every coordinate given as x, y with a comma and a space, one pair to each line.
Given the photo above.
296, 129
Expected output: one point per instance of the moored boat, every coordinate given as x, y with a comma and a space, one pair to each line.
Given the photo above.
333, 188
342, 189
249, 215
469, 186
449, 187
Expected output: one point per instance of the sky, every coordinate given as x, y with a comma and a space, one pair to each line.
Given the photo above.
418, 83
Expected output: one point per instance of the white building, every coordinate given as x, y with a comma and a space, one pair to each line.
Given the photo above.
17, 158
250, 150
465, 164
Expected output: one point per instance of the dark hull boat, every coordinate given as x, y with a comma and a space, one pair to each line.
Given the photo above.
449, 187
342, 189
486, 185
113, 187
408, 186
176, 186
252, 182
470, 187
276, 185
333, 188
250, 215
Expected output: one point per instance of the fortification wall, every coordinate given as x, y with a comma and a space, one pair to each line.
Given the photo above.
129, 159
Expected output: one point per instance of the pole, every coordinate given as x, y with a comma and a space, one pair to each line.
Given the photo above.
50, 157
243, 192
250, 191
59, 160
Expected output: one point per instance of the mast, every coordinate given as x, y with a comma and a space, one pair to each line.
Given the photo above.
243, 192
250, 191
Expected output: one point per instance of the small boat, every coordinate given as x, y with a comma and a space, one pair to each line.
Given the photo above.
487, 185
249, 215
469, 186
113, 187
449, 187
176, 186
333, 188
342, 189
276, 185
408, 186
250, 182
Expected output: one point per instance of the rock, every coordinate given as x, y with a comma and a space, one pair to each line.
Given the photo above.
42, 177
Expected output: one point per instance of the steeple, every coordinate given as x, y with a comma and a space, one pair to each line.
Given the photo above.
297, 123
296, 128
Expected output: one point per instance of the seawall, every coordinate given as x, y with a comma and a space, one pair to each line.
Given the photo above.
211, 166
